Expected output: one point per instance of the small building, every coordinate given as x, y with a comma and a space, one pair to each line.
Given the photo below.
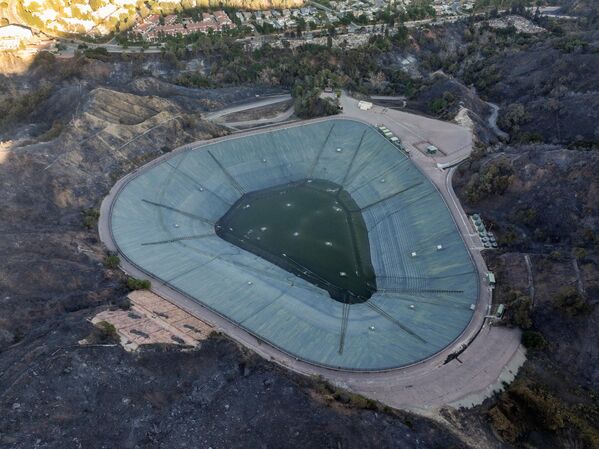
500, 310
431, 149
170, 19
491, 279
153, 18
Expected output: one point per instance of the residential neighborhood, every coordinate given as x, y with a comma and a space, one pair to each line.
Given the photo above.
153, 27
152, 20
143, 23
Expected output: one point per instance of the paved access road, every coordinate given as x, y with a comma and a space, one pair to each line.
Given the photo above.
488, 355
258, 103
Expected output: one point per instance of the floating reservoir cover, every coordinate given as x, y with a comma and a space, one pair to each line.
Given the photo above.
309, 251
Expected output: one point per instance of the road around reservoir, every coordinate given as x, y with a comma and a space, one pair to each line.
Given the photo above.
463, 374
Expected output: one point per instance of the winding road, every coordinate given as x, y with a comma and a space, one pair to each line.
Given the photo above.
492, 121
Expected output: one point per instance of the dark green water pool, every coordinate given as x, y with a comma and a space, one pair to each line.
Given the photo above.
313, 229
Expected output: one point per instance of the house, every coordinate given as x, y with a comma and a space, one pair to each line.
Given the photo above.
223, 19
172, 30
332, 17
142, 27
151, 35
153, 19
170, 19
277, 24
198, 27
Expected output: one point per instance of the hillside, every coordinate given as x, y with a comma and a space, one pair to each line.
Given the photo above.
55, 393
101, 17
70, 127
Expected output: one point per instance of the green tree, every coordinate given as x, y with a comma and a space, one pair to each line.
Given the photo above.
513, 116
570, 301
96, 4
138, 284
112, 261
533, 340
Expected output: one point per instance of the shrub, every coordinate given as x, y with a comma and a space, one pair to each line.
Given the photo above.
138, 284
512, 117
99, 53
571, 44
15, 108
193, 80
124, 303
523, 408
527, 216
494, 179
508, 237
52, 133
519, 306
438, 106
547, 410
508, 431
571, 302
533, 340
103, 333
310, 105
353, 400
90, 218
522, 315
529, 137
112, 261
580, 253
